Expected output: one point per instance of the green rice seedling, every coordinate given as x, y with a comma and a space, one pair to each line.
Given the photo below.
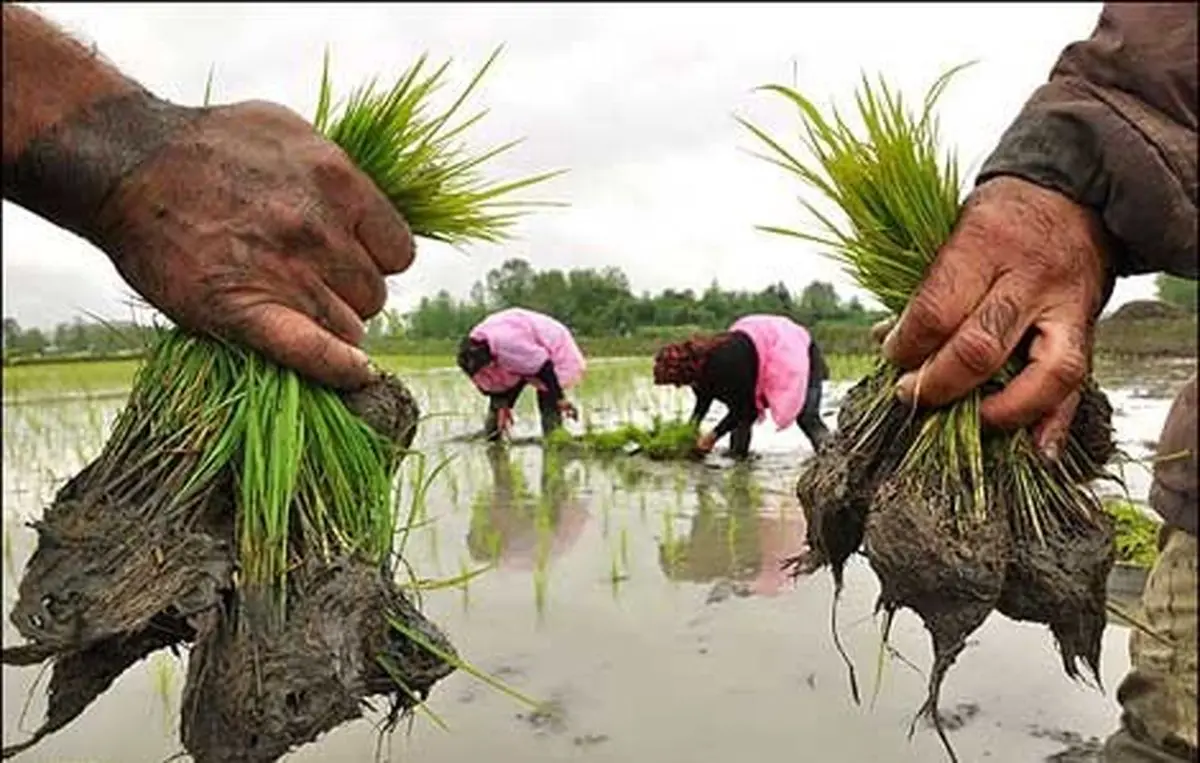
466, 585
958, 522
162, 672
1136, 533
662, 440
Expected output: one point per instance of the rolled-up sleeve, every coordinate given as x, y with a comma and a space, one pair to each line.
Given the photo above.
1114, 128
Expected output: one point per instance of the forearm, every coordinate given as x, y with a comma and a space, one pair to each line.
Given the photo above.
74, 126
729, 423
1114, 130
703, 403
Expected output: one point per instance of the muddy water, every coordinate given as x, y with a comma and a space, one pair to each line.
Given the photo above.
641, 601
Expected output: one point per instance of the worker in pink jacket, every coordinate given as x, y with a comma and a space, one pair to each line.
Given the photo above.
515, 347
763, 363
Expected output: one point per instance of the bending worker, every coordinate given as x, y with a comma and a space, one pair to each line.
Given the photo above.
515, 347
764, 362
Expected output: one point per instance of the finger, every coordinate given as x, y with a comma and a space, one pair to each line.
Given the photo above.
1058, 364
880, 330
1050, 434
367, 213
956, 283
294, 340
312, 235
350, 275
974, 353
385, 235
329, 311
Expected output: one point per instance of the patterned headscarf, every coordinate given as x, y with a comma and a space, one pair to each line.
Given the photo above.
681, 363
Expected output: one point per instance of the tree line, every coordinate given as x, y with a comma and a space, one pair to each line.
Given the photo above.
600, 303
595, 303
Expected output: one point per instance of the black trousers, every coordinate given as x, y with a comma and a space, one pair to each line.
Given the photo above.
809, 422
547, 408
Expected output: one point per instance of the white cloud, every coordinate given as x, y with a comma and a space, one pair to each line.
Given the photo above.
635, 99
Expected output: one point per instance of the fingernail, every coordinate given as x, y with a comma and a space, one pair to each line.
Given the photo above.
1050, 452
888, 339
904, 388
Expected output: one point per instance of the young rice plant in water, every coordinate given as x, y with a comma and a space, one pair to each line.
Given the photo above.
957, 520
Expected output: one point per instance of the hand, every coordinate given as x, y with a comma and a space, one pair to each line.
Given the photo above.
1021, 259
706, 442
250, 225
567, 410
504, 420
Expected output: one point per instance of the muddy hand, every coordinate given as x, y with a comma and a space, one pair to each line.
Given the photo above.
567, 410
248, 224
1021, 260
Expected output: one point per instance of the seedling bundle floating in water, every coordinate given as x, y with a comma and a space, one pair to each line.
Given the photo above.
249, 511
664, 440
956, 521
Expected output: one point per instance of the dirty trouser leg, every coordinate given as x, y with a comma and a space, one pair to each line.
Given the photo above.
809, 420
739, 440
506, 399
1158, 696
548, 408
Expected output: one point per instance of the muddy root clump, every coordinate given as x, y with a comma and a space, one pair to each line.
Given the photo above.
1092, 430
944, 565
252, 695
1061, 583
78, 678
105, 569
117, 575
836, 486
387, 407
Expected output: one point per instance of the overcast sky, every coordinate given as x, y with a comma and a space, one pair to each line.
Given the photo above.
636, 100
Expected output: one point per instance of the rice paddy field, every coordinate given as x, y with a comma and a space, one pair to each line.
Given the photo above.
641, 602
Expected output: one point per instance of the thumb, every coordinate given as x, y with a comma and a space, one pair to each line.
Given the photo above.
296, 341
880, 330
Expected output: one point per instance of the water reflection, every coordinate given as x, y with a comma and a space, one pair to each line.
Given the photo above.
516, 529
737, 539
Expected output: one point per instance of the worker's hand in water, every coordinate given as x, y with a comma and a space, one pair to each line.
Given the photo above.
567, 410
250, 225
706, 442
1021, 259
504, 420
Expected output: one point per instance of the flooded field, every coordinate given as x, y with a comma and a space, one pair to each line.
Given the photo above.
642, 602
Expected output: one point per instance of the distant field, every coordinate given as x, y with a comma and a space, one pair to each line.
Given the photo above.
848, 350
101, 376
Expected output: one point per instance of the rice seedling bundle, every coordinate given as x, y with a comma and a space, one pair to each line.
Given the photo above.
956, 520
663, 440
249, 511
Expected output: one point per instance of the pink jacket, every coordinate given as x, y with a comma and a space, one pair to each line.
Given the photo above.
521, 341
782, 347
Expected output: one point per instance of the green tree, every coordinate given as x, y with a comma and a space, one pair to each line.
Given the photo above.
12, 333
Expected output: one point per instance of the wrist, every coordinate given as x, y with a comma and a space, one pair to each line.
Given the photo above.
69, 171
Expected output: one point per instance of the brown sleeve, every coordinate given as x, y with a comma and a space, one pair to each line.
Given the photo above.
1174, 493
1115, 129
